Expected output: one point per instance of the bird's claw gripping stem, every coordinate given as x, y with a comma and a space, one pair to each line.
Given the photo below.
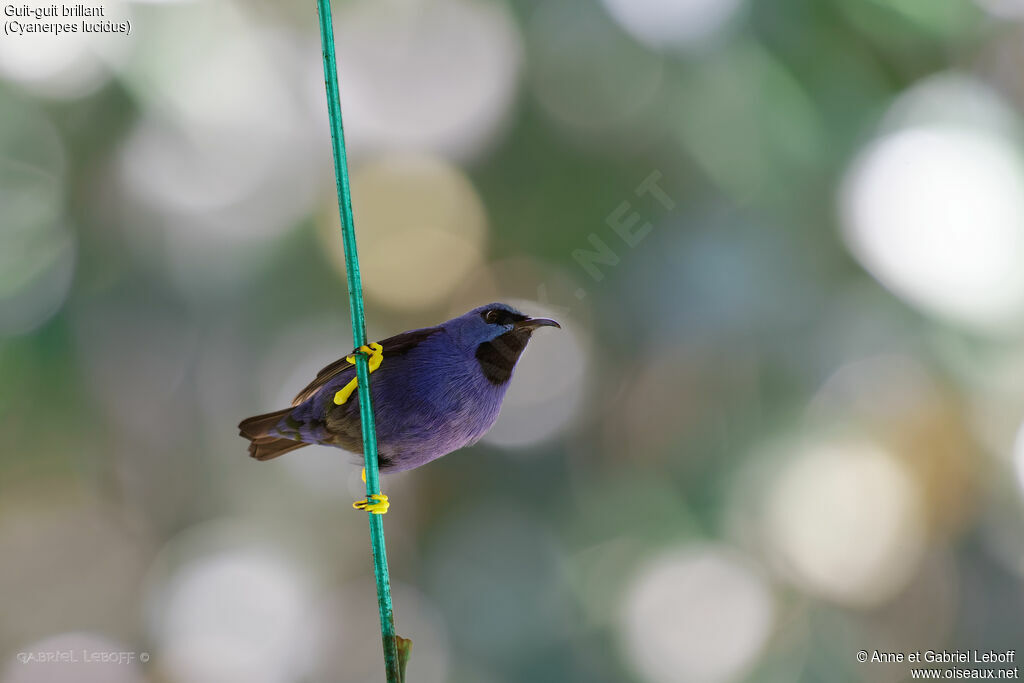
376, 356
376, 503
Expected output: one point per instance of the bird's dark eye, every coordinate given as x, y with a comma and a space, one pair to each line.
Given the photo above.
491, 317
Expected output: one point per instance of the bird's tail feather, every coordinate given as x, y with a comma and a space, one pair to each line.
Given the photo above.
263, 445
269, 447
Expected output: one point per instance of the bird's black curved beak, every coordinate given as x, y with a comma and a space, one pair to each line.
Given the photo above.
533, 323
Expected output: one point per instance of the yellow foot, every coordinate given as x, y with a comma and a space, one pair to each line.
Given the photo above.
374, 351
376, 356
376, 503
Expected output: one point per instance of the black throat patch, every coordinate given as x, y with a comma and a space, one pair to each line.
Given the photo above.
498, 357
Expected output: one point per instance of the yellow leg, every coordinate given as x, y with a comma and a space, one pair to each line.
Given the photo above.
376, 356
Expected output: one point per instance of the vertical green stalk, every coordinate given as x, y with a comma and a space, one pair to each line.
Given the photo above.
355, 299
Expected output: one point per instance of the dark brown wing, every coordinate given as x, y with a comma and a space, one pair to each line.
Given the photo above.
323, 377
398, 345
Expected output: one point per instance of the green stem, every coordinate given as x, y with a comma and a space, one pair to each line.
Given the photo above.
355, 299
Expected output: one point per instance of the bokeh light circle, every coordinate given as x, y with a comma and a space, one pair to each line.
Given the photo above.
422, 229
897, 401
844, 520
934, 208
225, 605
438, 76
226, 156
696, 615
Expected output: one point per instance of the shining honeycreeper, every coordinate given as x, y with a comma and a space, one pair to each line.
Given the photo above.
434, 390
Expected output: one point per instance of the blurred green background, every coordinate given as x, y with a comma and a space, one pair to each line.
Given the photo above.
782, 424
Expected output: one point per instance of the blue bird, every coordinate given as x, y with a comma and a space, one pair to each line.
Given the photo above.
434, 390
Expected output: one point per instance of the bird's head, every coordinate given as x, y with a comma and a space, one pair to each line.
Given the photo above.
495, 335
